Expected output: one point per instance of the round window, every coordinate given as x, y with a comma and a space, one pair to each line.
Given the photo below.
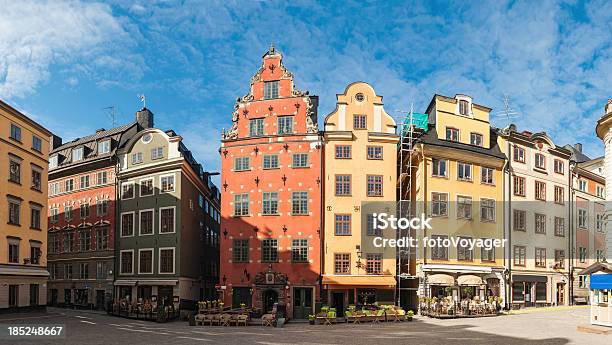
147, 138
359, 97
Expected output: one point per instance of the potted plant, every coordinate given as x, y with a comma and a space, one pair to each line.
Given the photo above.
409, 315
311, 319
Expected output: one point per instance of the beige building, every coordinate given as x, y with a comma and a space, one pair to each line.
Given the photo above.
360, 167
24, 147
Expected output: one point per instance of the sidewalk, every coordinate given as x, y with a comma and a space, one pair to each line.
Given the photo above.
535, 309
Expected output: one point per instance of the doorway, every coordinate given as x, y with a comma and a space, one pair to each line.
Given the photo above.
302, 303
529, 295
560, 294
100, 299
338, 303
54, 297
165, 295
269, 298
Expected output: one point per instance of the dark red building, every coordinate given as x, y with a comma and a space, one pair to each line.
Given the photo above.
271, 196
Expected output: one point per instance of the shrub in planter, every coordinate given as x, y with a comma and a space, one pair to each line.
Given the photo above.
409, 315
311, 319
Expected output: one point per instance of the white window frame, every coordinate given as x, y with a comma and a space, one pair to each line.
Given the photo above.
102, 144
152, 179
121, 262
133, 190
152, 250
140, 222
53, 161
173, 184
133, 224
139, 155
173, 260
173, 223
78, 149
471, 178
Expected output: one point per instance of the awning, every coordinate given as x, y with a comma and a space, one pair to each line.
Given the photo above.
124, 282
158, 282
601, 281
469, 279
388, 281
23, 271
527, 278
440, 279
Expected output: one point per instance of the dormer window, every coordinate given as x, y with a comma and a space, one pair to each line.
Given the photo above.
271, 89
77, 154
104, 147
452, 134
464, 107
53, 162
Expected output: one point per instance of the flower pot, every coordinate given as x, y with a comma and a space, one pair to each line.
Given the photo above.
409, 318
311, 322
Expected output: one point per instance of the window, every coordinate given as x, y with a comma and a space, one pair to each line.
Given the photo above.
84, 270
342, 263
127, 224
439, 167
34, 217
560, 226
519, 154
241, 250
540, 223
285, 124
559, 258
127, 190
600, 191
582, 218
15, 170
271, 89
464, 207
464, 253
360, 122
540, 161
343, 151
519, 255
34, 291
439, 204
582, 185
464, 171
13, 295
35, 253
370, 230
15, 132
256, 127
582, 282
487, 255
54, 215
137, 158
487, 210
342, 224
373, 263
599, 255
375, 185
599, 220
145, 261
103, 147
84, 210
69, 185
36, 179
299, 250
520, 219
559, 166
127, 262
476, 139
299, 203
559, 199
14, 212
242, 163
439, 252
157, 153
343, 185
300, 160
269, 250
54, 188
85, 240
487, 176
270, 161
68, 272
464, 107
69, 243
53, 162
36, 143
84, 181
452, 134
166, 216
375, 152
582, 254
101, 238
67, 213
241, 204
167, 183
77, 154
270, 203
54, 243
540, 257
146, 187
13, 251
146, 222
540, 191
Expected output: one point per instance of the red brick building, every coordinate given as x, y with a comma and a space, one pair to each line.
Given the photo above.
271, 196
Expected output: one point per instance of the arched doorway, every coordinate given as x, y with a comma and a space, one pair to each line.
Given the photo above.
269, 298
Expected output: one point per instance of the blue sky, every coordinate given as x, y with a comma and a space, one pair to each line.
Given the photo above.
64, 62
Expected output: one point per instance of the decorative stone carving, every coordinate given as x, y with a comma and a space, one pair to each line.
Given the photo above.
311, 125
233, 132
270, 277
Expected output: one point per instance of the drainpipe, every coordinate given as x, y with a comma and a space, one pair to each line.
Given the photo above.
507, 175
571, 237
321, 219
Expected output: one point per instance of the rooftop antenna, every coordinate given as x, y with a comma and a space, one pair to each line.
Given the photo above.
143, 99
112, 114
507, 112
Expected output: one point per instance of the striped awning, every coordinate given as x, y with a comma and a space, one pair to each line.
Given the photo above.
440, 279
469, 279
388, 281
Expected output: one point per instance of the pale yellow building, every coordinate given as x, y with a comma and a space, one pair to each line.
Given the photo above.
359, 167
24, 154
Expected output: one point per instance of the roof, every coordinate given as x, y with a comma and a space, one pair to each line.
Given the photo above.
431, 138
15, 112
94, 137
597, 267
577, 156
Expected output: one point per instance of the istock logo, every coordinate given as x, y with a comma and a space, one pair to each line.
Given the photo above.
382, 221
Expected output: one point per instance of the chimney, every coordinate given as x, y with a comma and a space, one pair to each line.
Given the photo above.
100, 130
144, 117
578, 147
55, 141
609, 107
527, 133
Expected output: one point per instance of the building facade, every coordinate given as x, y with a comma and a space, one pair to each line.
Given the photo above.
82, 203
168, 223
271, 196
458, 182
604, 133
360, 170
537, 213
23, 236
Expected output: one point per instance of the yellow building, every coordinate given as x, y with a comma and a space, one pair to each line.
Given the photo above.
360, 167
457, 180
24, 147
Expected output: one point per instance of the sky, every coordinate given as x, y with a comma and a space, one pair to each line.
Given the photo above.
65, 63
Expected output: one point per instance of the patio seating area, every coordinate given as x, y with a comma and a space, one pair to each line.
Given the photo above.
371, 314
143, 310
214, 314
447, 308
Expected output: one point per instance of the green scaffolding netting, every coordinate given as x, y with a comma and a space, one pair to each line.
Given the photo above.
419, 120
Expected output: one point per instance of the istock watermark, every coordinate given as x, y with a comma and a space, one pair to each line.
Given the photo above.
437, 242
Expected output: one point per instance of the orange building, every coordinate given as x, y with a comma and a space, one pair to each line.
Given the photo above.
271, 196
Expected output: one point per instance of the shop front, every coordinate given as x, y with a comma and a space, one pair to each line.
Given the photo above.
600, 289
342, 291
